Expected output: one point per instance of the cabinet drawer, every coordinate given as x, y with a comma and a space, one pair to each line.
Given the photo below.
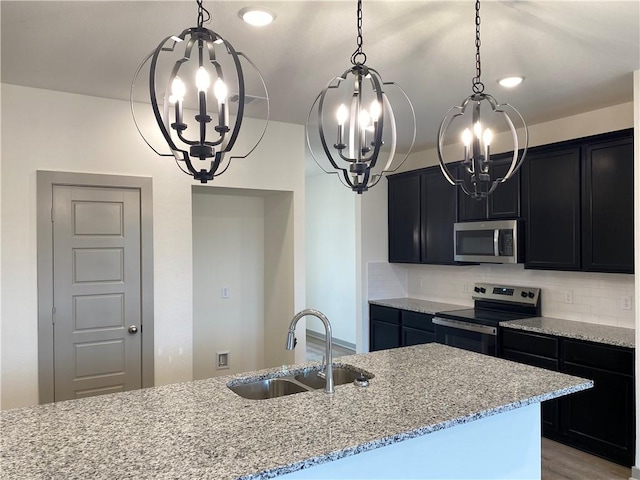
531, 343
604, 357
384, 314
419, 321
530, 359
412, 336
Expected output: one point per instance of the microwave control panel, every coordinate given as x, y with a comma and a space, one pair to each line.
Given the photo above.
505, 243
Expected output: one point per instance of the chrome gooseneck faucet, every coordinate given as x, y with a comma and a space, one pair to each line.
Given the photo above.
291, 342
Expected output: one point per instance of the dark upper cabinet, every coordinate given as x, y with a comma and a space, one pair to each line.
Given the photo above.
421, 214
404, 218
470, 210
437, 217
575, 199
551, 209
504, 202
607, 207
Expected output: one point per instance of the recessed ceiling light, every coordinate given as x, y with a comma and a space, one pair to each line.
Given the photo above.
510, 82
257, 16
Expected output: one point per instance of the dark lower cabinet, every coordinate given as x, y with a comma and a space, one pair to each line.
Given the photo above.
540, 351
417, 328
384, 328
392, 328
600, 420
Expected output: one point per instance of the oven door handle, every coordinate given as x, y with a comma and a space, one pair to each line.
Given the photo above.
496, 242
472, 327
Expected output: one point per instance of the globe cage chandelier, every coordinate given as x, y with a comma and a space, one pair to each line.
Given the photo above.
366, 141
476, 172
189, 74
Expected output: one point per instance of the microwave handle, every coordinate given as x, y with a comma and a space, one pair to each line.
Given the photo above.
496, 242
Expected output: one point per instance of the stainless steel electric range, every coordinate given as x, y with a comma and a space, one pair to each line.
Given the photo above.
477, 328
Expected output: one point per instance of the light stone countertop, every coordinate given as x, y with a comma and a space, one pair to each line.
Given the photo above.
417, 305
609, 335
202, 429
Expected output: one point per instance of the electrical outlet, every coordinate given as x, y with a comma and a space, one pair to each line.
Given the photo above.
225, 292
625, 303
568, 296
223, 360
465, 288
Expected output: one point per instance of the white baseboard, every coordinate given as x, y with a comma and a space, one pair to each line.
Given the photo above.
635, 473
336, 341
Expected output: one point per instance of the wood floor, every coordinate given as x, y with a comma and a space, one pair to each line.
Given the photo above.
316, 348
559, 462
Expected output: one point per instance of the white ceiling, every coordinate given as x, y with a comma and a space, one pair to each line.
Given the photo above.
575, 55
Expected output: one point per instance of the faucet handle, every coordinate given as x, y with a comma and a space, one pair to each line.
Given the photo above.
323, 369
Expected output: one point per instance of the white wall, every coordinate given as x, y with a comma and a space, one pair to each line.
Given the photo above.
597, 297
228, 252
57, 131
331, 255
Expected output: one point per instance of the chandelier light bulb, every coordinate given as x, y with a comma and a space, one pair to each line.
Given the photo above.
466, 137
477, 129
202, 80
375, 110
487, 136
220, 90
178, 89
342, 114
365, 119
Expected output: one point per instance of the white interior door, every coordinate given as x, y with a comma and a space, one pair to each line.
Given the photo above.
97, 291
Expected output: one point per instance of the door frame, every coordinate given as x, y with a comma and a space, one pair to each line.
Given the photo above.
45, 182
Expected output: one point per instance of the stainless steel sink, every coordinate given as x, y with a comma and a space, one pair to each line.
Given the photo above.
341, 375
268, 388
293, 383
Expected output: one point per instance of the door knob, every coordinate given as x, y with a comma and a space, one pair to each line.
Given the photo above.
133, 329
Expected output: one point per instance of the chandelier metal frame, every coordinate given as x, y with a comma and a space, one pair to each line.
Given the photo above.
363, 154
477, 159
201, 147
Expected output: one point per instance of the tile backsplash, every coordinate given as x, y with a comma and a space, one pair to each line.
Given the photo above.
602, 298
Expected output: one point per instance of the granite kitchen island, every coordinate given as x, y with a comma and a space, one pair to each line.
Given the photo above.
449, 398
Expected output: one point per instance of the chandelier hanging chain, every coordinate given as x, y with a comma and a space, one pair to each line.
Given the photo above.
359, 57
201, 12
477, 85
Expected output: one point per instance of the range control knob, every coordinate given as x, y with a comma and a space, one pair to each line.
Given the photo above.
476, 289
531, 295
524, 294
483, 290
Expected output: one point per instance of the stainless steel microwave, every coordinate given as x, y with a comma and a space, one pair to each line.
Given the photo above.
491, 241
